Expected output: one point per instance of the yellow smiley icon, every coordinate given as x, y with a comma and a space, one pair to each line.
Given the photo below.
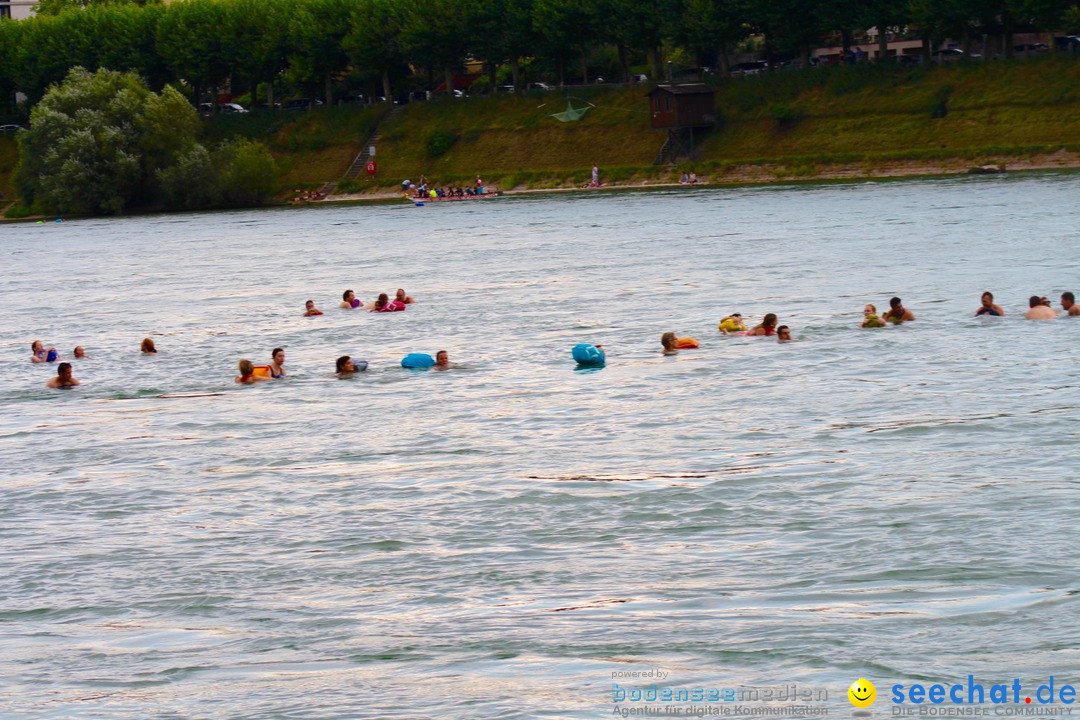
862, 693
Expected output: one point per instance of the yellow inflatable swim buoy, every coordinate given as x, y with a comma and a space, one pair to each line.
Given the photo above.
686, 342
730, 324
873, 321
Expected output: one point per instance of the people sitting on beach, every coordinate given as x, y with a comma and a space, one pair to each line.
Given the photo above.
247, 374
870, 318
767, 326
385, 304
63, 377
783, 334
684, 178
349, 300
469, 192
1068, 304
693, 177
147, 347
732, 323
42, 354
277, 362
898, 313
310, 309
1040, 309
401, 297
442, 360
989, 307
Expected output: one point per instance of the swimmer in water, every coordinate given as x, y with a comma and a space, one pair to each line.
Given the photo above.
1039, 311
898, 313
1068, 304
277, 362
345, 366
767, 326
442, 360
79, 352
348, 300
670, 343
989, 307
870, 318
247, 374
402, 298
384, 304
41, 353
310, 309
783, 334
63, 377
732, 323
147, 347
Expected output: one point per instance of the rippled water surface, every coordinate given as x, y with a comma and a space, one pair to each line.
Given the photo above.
494, 541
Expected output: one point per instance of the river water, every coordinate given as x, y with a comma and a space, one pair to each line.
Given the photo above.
499, 539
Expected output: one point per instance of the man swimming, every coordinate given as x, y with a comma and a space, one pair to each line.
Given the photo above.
79, 352
989, 307
310, 309
401, 297
1068, 304
442, 360
1039, 310
63, 377
348, 300
783, 334
898, 313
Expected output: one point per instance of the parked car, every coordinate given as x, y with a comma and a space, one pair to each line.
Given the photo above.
749, 68
540, 86
231, 107
351, 100
1070, 43
951, 54
639, 78
507, 89
5, 129
302, 104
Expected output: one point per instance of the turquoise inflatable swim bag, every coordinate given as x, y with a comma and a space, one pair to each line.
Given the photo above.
586, 354
417, 360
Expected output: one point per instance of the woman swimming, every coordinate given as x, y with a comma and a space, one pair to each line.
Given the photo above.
147, 347
384, 304
310, 309
277, 362
732, 323
670, 343
41, 353
870, 318
247, 374
767, 326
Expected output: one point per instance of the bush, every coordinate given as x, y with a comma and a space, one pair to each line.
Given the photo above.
438, 143
17, 211
247, 173
785, 115
192, 183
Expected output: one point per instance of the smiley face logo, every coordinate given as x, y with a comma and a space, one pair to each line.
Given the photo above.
862, 693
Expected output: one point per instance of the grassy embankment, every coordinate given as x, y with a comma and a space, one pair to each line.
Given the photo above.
834, 122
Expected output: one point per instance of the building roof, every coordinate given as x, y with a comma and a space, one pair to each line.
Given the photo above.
687, 89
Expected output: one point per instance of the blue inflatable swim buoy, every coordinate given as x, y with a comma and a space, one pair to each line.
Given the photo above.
52, 356
360, 365
417, 361
586, 354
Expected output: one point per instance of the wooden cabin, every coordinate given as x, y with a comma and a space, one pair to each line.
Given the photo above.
683, 106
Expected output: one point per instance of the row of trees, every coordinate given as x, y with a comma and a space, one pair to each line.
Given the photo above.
314, 43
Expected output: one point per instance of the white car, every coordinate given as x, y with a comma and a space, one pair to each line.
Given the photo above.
231, 108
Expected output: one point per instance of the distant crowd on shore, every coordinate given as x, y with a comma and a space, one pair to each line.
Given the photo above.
426, 189
1039, 308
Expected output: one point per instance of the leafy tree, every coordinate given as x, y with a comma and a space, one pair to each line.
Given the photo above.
257, 41
318, 29
10, 37
435, 35
247, 172
55, 7
96, 141
566, 25
710, 25
191, 183
191, 42
375, 41
50, 46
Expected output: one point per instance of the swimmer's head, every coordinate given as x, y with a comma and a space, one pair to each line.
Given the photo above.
987, 298
869, 310
309, 304
63, 371
383, 300
400, 294
37, 346
1067, 300
79, 352
770, 320
246, 367
1034, 301
347, 295
344, 364
442, 358
669, 341
148, 346
277, 355
894, 303
783, 333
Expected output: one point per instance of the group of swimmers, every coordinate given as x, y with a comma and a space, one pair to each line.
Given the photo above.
349, 301
1040, 308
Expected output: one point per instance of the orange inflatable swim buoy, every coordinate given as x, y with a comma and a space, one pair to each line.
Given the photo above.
262, 371
686, 342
